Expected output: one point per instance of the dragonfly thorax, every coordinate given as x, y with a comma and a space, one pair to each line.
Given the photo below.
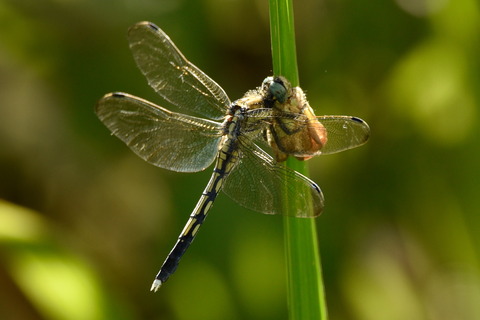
233, 122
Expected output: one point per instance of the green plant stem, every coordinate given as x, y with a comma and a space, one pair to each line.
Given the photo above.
306, 298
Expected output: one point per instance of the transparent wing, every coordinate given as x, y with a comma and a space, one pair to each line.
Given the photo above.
260, 184
172, 76
166, 139
343, 133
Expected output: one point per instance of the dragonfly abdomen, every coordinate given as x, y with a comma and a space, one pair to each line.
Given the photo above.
226, 160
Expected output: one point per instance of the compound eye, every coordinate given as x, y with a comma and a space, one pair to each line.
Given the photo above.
278, 91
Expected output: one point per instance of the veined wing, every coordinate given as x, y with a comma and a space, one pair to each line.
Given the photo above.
172, 76
260, 184
166, 139
343, 133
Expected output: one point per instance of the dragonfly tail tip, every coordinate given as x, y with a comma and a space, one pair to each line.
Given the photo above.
156, 285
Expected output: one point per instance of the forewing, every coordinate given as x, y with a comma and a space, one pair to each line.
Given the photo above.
260, 184
172, 76
343, 133
163, 138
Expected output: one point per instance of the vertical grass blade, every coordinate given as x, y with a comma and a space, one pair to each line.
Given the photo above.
306, 298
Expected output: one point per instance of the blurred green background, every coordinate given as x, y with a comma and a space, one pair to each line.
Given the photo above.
85, 224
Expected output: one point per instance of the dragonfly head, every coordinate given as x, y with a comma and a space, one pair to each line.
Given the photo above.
276, 89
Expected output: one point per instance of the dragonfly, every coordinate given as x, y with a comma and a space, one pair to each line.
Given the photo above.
245, 139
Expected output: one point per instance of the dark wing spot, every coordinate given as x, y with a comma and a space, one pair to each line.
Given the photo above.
357, 119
